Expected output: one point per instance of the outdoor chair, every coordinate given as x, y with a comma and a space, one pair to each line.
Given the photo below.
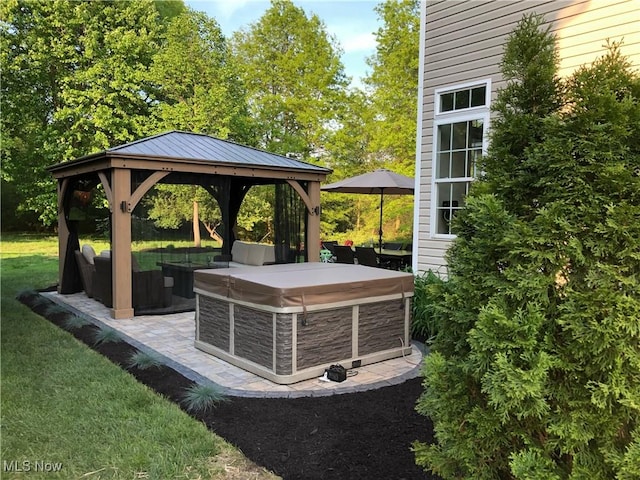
344, 254
87, 273
149, 288
330, 245
393, 245
367, 256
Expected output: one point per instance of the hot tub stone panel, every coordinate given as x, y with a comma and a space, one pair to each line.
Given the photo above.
214, 322
253, 335
284, 342
380, 326
324, 335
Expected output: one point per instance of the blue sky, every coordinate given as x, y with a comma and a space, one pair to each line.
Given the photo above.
352, 22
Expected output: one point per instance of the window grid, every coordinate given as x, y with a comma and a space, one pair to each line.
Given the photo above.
463, 98
459, 143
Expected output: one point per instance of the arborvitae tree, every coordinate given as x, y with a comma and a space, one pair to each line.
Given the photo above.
533, 93
535, 371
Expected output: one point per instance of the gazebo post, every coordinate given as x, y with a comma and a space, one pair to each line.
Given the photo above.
121, 243
313, 223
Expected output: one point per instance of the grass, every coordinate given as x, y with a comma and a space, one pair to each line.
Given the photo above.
20, 245
428, 290
62, 402
144, 360
200, 398
74, 322
107, 335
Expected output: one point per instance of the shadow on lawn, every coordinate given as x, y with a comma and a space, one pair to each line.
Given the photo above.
363, 435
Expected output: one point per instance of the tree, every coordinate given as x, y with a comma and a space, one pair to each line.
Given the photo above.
394, 84
377, 129
294, 78
167, 9
198, 91
197, 80
524, 109
172, 205
296, 90
75, 81
347, 153
534, 372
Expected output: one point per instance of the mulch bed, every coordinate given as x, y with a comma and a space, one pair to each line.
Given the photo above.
363, 435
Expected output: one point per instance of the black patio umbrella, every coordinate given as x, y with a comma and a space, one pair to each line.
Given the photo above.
379, 182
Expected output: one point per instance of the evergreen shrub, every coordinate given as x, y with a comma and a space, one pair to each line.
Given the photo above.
428, 288
535, 370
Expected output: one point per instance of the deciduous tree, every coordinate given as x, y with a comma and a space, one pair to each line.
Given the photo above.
393, 84
294, 78
198, 90
393, 87
75, 81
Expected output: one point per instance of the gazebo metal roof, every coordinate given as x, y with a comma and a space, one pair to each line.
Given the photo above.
196, 148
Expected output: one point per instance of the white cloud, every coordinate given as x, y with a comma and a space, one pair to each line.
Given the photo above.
224, 10
357, 42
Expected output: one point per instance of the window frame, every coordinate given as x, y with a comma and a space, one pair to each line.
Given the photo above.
450, 117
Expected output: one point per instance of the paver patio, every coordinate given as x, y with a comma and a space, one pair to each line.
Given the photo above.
172, 336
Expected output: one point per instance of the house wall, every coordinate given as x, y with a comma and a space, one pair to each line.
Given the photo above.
462, 41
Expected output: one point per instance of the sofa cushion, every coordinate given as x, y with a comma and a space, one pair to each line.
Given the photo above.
269, 254
256, 254
88, 253
239, 251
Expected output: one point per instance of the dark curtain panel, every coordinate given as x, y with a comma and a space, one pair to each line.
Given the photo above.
289, 220
71, 282
76, 205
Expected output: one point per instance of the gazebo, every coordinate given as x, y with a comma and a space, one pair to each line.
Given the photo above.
225, 169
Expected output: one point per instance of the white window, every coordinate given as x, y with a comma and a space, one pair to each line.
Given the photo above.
460, 127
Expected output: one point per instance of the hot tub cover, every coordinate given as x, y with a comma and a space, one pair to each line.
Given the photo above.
303, 284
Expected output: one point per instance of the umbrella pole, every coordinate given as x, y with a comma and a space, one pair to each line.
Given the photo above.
380, 229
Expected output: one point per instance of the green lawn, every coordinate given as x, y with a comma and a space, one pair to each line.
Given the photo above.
64, 404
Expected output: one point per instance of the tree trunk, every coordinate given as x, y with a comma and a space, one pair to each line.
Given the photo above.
196, 226
213, 233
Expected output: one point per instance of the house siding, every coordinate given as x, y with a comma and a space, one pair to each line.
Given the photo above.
464, 41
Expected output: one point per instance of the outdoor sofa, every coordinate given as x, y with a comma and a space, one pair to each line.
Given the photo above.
150, 289
84, 259
245, 254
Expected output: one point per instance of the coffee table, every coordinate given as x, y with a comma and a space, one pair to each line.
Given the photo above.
182, 273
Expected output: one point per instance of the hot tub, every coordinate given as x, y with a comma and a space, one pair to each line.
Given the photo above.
287, 323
